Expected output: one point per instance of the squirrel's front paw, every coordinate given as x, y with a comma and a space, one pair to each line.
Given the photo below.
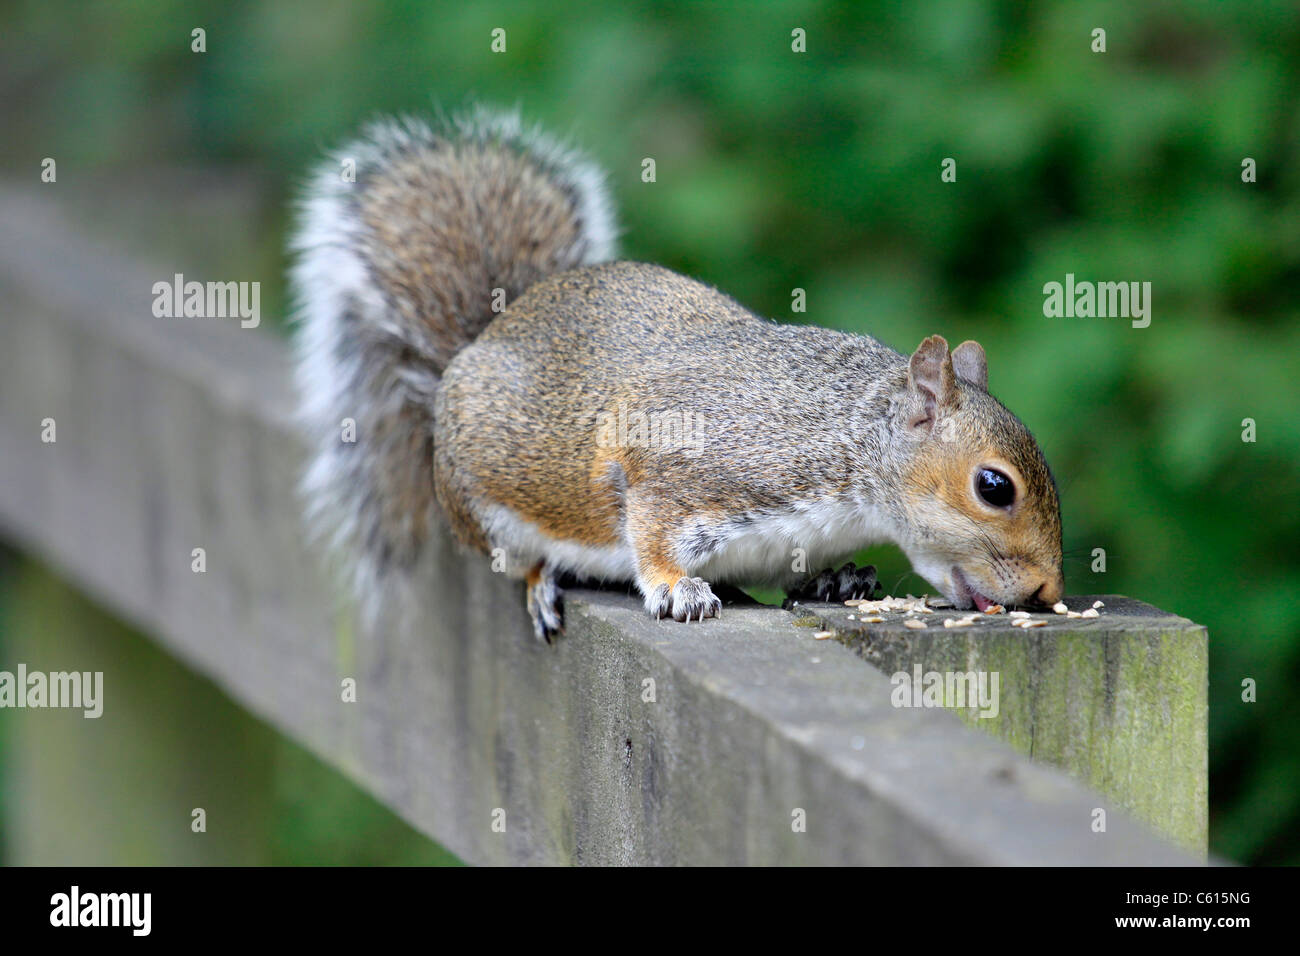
690, 599
848, 583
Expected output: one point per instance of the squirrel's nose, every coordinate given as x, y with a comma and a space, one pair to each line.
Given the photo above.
1049, 592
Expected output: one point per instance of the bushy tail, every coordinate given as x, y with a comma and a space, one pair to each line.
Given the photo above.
402, 243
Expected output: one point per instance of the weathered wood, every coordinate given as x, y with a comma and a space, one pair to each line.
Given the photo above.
1119, 700
175, 435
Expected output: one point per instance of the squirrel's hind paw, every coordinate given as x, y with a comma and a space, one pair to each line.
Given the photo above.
690, 599
848, 583
545, 607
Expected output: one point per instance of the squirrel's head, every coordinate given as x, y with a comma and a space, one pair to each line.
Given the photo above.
983, 522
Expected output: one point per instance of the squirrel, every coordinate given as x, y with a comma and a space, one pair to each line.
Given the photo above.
571, 414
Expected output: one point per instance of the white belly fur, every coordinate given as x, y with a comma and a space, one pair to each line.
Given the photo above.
785, 548
762, 551
526, 544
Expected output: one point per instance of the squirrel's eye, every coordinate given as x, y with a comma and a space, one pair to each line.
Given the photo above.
995, 487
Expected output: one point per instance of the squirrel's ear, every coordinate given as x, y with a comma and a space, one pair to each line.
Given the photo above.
970, 365
931, 380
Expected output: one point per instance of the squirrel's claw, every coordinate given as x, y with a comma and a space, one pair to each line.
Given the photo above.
546, 608
693, 598
690, 599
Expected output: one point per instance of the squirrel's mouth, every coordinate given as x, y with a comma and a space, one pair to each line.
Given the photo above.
966, 594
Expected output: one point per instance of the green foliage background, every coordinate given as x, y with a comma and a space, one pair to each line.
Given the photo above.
820, 171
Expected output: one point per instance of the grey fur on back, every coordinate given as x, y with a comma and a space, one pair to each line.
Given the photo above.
787, 413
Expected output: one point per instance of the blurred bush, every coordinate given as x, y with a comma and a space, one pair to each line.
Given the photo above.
820, 171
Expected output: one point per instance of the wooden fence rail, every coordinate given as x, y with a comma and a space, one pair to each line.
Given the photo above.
742, 740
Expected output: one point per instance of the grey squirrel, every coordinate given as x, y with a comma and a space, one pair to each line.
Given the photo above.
567, 413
